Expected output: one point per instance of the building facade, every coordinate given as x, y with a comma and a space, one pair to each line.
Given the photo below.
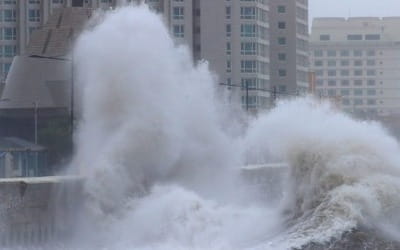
20, 158
289, 46
19, 18
357, 60
242, 41
252, 45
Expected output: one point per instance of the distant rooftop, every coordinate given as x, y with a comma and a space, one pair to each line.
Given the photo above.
55, 38
356, 20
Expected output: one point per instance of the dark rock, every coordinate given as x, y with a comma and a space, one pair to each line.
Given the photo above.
358, 239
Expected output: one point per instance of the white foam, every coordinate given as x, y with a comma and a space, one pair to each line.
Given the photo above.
151, 123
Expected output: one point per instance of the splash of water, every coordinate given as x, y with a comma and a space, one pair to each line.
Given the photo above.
150, 120
162, 170
344, 173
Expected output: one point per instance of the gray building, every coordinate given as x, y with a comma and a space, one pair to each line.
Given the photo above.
358, 61
253, 45
36, 103
289, 46
242, 41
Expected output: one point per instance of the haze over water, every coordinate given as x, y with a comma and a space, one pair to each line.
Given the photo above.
162, 164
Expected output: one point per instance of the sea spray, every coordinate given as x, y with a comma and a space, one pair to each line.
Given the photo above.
162, 168
150, 121
342, 171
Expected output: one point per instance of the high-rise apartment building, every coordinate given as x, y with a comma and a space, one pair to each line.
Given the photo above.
289, 46
19, 18
249, 44
253, 44
357, 60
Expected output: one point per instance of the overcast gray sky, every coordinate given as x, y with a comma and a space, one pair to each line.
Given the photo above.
346, 8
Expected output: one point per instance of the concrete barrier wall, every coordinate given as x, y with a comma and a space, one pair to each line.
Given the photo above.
34, 211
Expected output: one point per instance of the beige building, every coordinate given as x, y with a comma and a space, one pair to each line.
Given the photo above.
358, 61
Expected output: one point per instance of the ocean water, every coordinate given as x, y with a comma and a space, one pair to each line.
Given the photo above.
162, 154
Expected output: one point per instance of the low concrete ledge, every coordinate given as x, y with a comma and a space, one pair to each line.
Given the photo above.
37, 210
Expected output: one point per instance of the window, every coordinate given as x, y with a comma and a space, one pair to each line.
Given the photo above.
358, 82
228, 29
281, 56
228, 48
345, 83
371, 72
281, 9
9, 33
344, 63
331, 63
10, 16
10, 50
319, 63
282, 72
178, 13
178, 31
248, 66
34, 1
344, 53
228, 12
248, 83
331, 53
358, 92
357, 52
371, 102
319, 72
331, 72
228, 66
371, 92
332, 83
371, 82
281, 40
344, 92
247, 12
34, 15
354, 37
371, 53
344, 72
358, 63
371, 62
281, 25
248, 30
320, 82
373, 37
248, 48
324, 37
358, 102
318, 53
358, 72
